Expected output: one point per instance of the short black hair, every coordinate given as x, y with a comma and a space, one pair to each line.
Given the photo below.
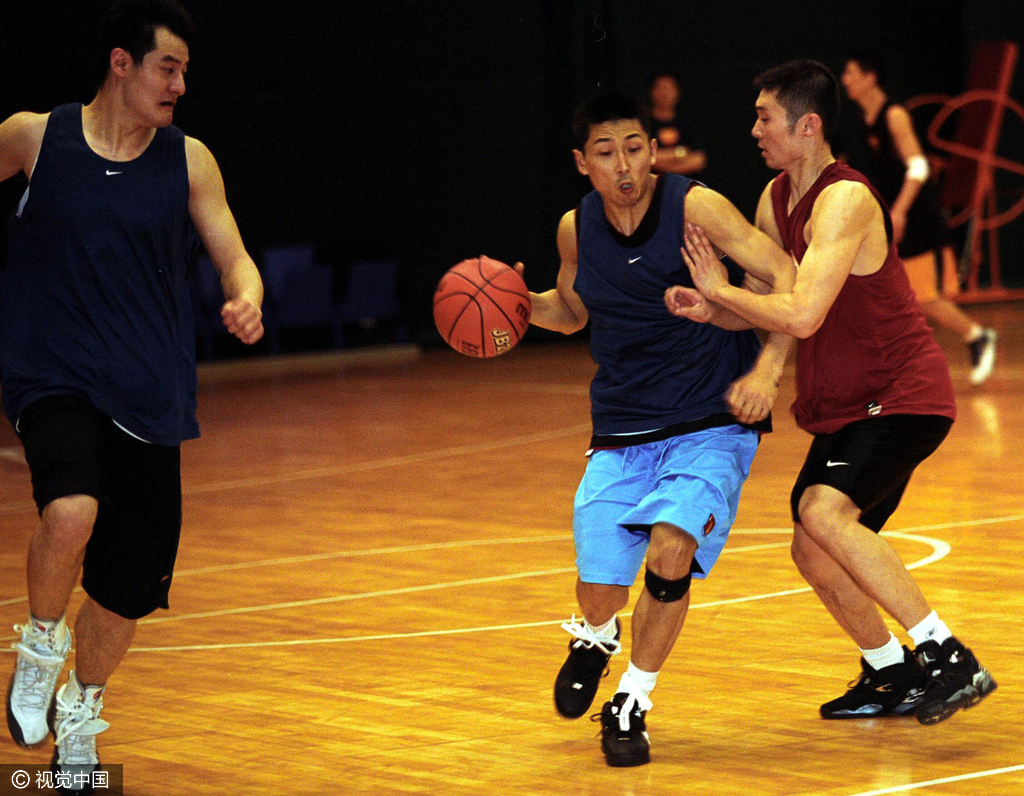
608, 107
870, 60
804, 86
131, 25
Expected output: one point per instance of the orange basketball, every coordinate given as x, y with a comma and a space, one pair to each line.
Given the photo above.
482, 307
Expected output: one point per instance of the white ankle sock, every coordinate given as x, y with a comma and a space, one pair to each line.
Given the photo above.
931, 628
636, 680
607, 630
888, 654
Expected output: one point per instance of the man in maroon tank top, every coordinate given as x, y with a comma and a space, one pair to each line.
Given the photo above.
872, 387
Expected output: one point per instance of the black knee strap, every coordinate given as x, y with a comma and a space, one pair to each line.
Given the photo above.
666, 591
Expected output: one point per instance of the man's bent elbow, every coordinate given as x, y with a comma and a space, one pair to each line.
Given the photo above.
573, 326
803, 327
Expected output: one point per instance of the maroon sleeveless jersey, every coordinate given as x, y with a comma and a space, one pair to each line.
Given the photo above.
874, 353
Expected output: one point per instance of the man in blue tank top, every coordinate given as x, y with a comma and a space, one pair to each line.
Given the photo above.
97, 357
677, 407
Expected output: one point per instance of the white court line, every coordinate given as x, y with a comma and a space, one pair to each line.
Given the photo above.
515, 540
392, 461
992, 772
939, 550
413, 548
381, 637
410, 548
345, 469
965, 524
407, 590
361, 595
518, 540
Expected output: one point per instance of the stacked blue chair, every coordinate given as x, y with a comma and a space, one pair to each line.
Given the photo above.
371, 297
298, 295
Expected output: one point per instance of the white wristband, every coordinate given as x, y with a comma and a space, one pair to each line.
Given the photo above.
917, 168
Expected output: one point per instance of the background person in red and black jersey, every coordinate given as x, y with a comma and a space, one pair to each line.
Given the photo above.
872, 387
97, 357
679, 148
898, 168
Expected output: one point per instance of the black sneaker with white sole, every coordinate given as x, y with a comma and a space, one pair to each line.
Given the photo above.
890, 691
580, 675
624, 738
955, 680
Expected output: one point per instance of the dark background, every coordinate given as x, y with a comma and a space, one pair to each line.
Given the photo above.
436, 131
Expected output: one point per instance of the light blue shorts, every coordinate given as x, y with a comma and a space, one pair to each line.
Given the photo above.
691, 481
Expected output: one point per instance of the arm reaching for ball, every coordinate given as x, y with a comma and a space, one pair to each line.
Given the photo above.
560, 309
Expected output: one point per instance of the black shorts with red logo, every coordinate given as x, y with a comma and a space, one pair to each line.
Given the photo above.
74, 449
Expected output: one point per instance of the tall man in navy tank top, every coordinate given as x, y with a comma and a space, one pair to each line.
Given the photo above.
677, 409
97, 357
872, 387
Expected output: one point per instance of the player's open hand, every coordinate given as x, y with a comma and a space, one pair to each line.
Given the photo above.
686, 302
699, 255
751, 397
243, 319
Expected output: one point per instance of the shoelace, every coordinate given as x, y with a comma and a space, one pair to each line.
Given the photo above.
38, 666
932, 666
627, 708
78, 724
608, 646
37, 644
940, 671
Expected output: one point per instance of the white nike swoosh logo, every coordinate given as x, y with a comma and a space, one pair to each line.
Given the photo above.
831, 463
635, 259
110, 173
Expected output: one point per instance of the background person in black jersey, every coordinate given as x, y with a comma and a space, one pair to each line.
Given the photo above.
898, 168
679, 148
97, 378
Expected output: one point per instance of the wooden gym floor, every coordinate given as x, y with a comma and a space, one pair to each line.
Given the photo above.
377, 556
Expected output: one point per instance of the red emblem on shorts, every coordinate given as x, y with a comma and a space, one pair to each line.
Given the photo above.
709, 526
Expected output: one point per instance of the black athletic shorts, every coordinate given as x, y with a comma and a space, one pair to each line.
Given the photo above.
871, 461
73, 449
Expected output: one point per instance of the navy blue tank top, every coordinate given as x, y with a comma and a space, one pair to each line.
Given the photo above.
95, 300
655, 370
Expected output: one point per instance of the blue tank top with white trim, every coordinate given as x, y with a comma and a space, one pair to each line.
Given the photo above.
95, 298
655, 370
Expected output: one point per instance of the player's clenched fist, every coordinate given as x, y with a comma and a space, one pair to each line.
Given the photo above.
688, 303
243, 319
